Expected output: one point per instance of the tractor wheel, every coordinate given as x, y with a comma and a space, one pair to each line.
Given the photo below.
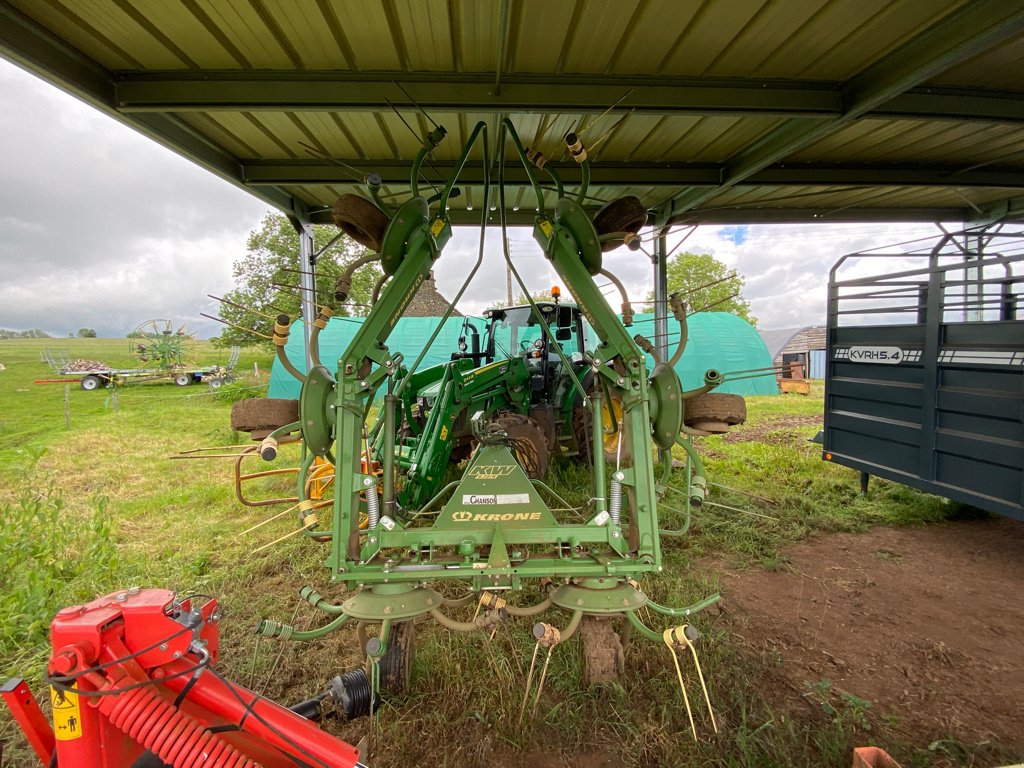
263, 413
361, 220
89, 383
529, 444
582, 421
216, 383
183, 379
714, 412
627, 214
603, 656
396, 666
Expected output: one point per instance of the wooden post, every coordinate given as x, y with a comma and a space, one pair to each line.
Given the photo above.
67, 406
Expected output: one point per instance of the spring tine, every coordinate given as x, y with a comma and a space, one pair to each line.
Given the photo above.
700, 675
667, 636
529, 682
268, 520
540, 685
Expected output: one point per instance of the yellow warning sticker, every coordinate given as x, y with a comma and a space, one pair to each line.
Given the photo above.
444, 433
545, 227
67, 715
436, 227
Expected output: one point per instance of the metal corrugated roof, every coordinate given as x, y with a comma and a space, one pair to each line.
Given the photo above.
724, 110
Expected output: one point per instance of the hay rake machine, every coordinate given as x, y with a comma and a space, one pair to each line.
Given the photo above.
577, 387
132, 674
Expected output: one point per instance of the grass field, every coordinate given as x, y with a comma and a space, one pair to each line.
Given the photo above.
102, 505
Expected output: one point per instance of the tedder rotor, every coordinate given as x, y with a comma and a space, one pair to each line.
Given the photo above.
535, 384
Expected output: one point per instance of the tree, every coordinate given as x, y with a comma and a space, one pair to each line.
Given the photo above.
86, 333
272, 261
705, 283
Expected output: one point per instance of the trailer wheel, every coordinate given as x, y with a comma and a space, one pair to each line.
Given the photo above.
627, 214
361, 220
263, 413
183, 379
603, 656
89, 383
714, 412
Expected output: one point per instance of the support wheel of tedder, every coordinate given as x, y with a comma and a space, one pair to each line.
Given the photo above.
603, 656
396, 665
262, 415
627, 214
714, 412
361, 220
528, 442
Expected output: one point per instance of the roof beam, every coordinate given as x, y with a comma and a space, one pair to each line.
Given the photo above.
262, 173
356, 91
527, 217
964, 33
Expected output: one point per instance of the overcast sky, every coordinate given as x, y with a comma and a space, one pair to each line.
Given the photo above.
102, 228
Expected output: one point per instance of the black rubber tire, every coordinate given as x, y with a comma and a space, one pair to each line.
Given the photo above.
603, 656
627, 214
519, 427
89, 383
259, 413
361, 220
396, 666
183, 379
716, 410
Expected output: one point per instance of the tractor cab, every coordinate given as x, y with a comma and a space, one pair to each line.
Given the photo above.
517, 332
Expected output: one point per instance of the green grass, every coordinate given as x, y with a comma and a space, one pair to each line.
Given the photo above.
102, 506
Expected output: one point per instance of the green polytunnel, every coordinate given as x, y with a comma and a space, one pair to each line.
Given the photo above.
716, 340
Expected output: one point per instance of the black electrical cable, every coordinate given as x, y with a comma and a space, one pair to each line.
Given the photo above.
250, 709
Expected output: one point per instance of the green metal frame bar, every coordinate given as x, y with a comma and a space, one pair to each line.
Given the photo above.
254, 91
273, 172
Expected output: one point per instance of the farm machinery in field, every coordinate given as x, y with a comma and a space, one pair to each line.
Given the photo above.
539, 383
437, 503
159, 354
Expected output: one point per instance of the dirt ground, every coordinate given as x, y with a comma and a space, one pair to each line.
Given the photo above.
925, 623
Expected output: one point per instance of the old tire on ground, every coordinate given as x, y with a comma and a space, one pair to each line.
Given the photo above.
603, 656
714, 412
361, 220
263, 413
529, 443
89, 383
396, 665
627, 214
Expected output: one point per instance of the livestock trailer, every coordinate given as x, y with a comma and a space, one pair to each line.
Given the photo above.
925, 374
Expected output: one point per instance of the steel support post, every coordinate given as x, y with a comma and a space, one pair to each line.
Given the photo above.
307, 283
661, 294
